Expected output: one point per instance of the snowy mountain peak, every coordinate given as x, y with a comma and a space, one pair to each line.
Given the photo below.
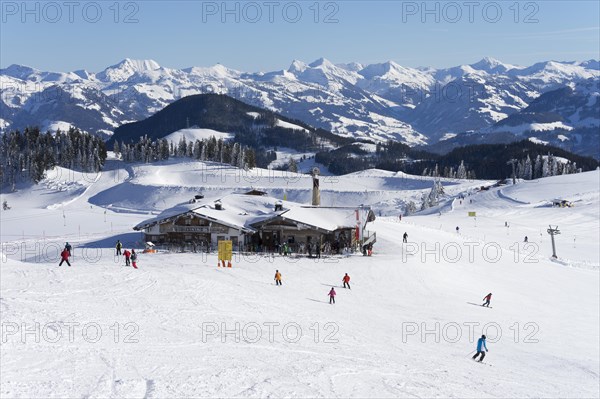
83, 74
18, 71
322, 63
125, 69
297, 67
373, 70
351, 66
139, 65
491, 65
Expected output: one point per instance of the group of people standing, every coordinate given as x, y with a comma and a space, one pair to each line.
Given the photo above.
130, 257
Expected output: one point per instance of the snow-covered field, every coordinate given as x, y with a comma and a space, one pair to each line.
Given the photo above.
181, 327
193, 134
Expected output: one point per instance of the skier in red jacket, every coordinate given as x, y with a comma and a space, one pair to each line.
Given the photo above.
64, 257
487, 300
126, 254
346, 281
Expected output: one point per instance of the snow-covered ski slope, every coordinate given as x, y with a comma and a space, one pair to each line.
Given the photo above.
180, 326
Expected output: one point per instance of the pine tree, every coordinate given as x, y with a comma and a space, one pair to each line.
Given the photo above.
527, 170
292, 165
425, 201
197, 149
411, 208
235, 153
554, 167
462, 171
537, 168
546, 167
181, 148
249, 158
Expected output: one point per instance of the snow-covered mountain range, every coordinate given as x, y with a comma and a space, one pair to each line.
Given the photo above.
383, 101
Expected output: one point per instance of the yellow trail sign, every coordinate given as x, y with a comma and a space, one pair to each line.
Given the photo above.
225, 249
472, 214
225, 252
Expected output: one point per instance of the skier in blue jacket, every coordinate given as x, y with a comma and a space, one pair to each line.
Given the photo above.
480, 345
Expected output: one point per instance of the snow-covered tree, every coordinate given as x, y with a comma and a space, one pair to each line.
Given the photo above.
527, 169
546, 166
553, 167
433, 198
411, 208
292, 165
462, 171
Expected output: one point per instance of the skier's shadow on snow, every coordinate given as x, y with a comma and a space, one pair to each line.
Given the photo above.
316, 300
476, 304
332, 285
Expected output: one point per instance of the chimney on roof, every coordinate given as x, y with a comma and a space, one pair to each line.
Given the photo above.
278, 206
316, 194
218, 205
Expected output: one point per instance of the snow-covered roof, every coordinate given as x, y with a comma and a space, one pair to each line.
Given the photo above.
173, 212
329, 219
238, 211
242, 212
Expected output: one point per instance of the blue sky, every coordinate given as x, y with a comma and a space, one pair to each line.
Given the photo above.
269, 35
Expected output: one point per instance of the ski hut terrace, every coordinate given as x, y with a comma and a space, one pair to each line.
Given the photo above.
258, 223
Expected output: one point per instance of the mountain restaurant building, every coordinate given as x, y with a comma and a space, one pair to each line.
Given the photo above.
258, 223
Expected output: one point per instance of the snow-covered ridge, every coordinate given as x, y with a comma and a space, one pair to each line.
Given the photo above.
193, 134
377, 101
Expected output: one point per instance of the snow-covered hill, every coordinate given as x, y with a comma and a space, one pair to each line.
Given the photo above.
378, 101
178, 326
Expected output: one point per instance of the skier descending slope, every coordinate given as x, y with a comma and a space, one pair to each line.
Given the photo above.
64, 257
480, 345
487, 300
346, 281
118, 247
277, 277
332, 296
